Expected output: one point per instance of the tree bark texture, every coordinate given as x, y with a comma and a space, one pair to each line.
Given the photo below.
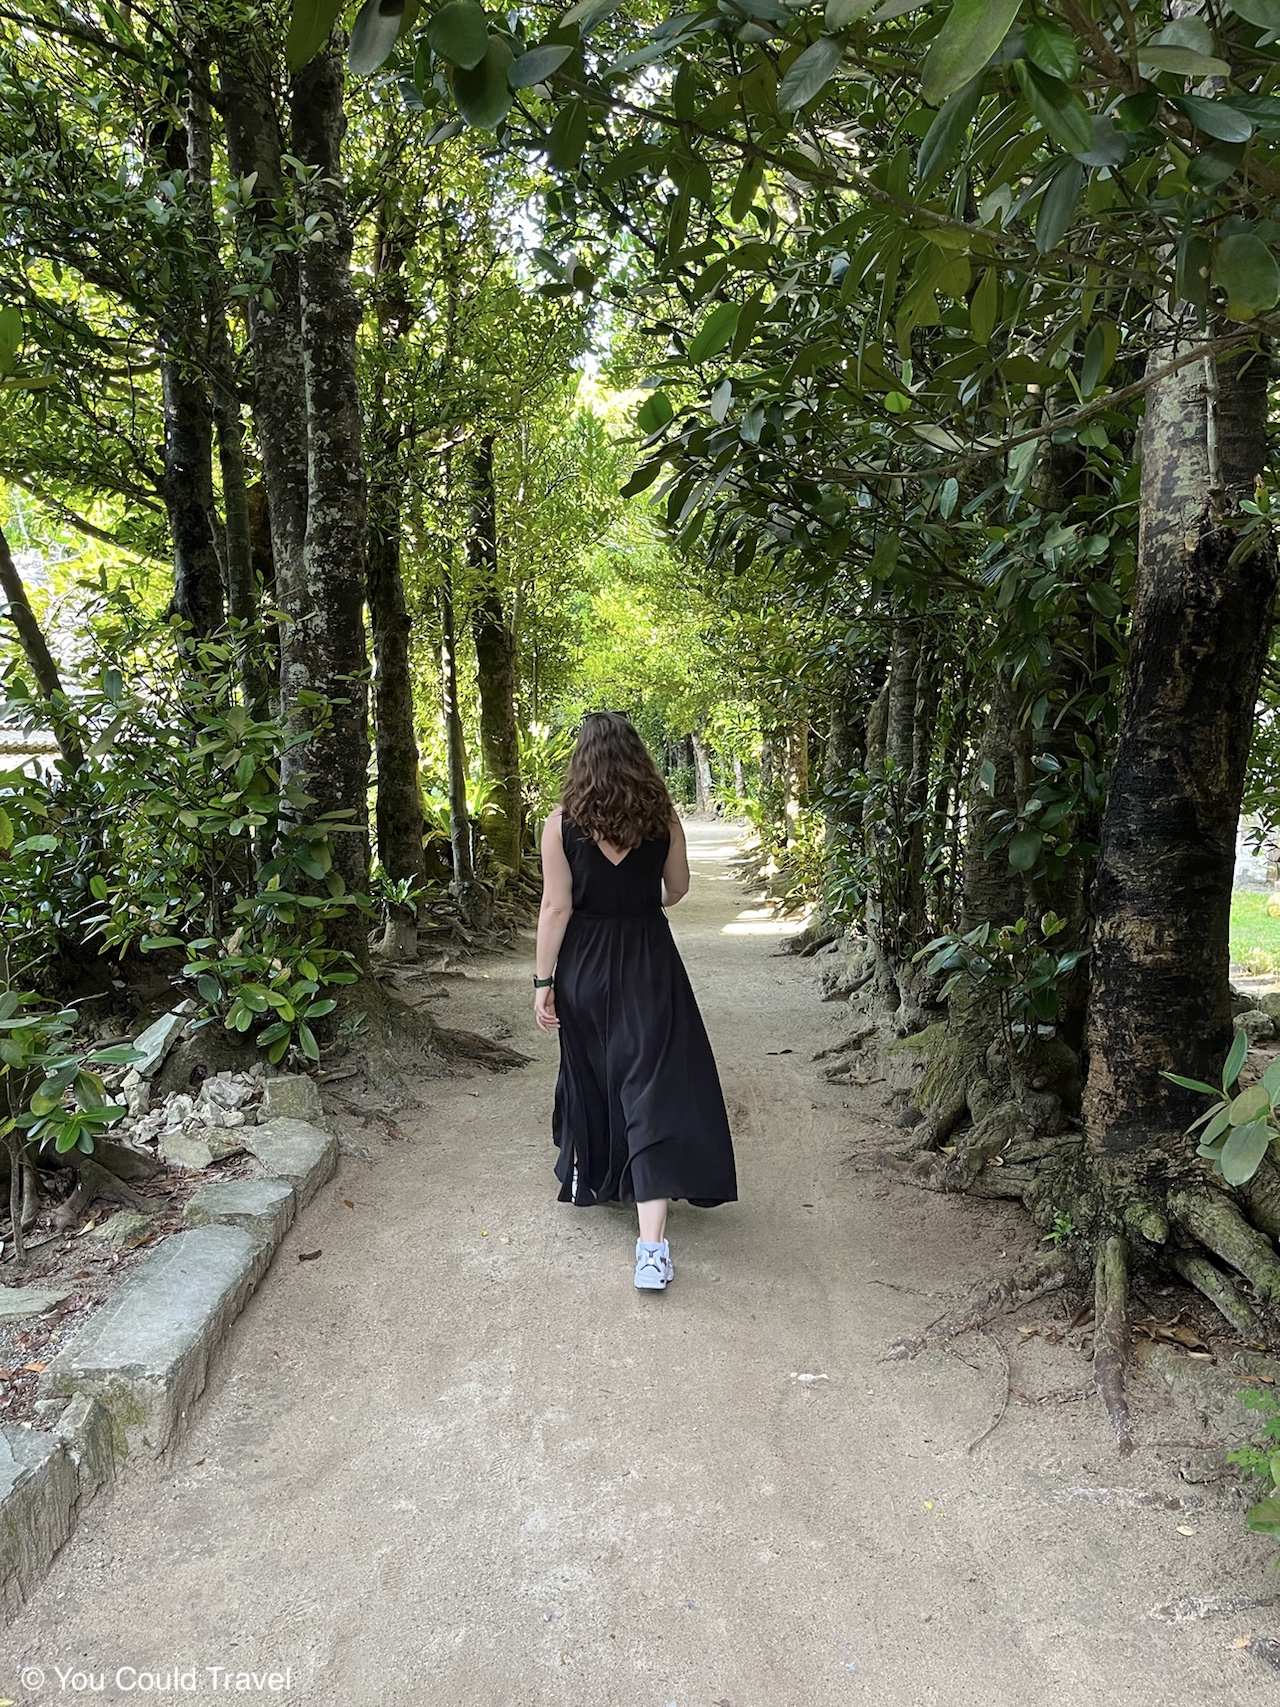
255, 146
464, 872
198, 595
39, 658
399, 795
497, 661
1201, 626
323, 646
701, 774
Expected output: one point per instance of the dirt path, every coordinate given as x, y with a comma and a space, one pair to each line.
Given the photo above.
459, 1462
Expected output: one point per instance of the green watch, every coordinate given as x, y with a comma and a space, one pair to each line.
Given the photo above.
543, 983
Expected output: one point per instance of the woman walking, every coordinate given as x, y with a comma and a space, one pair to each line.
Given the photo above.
639, 1116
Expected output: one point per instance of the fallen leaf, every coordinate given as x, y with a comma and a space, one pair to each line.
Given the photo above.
33, 1368
1243, 1641
1185, 1529
197, 1464
928, 1505
348, 1202
506, 1239
6, 1375
308, 1256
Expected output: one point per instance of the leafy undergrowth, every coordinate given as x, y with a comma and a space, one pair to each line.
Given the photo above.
1255, 935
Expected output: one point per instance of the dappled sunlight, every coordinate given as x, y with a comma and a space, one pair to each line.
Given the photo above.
762, 921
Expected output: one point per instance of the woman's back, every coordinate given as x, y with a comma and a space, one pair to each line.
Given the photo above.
605, 888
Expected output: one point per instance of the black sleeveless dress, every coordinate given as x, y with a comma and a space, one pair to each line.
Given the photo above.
638, 1112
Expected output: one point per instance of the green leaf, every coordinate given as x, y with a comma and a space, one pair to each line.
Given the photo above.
1213, 118
6, 833
538, 64
1059, 109
840, 13
970, 34
946, 133
306, 1037
373, 38
715, 332
1103, 597
744, 193
1024, 849
1265, 14
1246, 269
1215, 164
984, 306
1099, 353
948, 497
1235, 1060
1191, 272
568, 136
1243, 1152
483, 95
654, 412
1264, 1518
309, 25
1271, 1080
459, 32
10, 330
1216, 1127
1248, 1105
809, 73
1058, 205
588, 12
209, 988
1053, 51
1182, 62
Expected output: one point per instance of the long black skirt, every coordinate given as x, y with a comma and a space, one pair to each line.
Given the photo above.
639, 1113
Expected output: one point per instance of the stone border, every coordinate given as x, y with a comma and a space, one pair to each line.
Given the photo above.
135, 1368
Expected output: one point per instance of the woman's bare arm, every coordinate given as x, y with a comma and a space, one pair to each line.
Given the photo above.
553, 917
675, 873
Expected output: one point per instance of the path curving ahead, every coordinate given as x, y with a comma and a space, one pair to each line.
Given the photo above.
458, 1461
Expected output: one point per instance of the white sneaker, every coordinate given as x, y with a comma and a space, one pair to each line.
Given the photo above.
654, 1268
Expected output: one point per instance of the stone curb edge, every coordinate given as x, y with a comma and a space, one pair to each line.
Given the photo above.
134, 1369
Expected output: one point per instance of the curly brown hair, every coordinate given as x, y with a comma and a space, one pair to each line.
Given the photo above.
613, 790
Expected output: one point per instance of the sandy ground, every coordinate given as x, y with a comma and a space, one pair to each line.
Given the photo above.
459, 1461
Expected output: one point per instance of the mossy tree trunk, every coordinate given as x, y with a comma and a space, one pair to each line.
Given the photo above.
497, 664
1201, 627
323, 658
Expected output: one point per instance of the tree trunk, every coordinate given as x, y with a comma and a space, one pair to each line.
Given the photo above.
497, 676
797, 775
323, 648
739, 777
255, 145
464, 872
188, 454
1201, 626
39, 659
701, 774
399, 796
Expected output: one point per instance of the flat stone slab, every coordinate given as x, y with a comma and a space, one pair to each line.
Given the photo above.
38, 1492
263, 1207
19, 1301
293, 1096
296, 1151
146, 1353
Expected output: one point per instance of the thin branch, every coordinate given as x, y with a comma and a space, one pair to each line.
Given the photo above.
80, 523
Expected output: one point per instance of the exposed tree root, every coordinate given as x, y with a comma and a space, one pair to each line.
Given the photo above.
94, 1182
1213, 1219
1044, 1273
1111, 1334
1221, 1292
1003, 1406
470, 1046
